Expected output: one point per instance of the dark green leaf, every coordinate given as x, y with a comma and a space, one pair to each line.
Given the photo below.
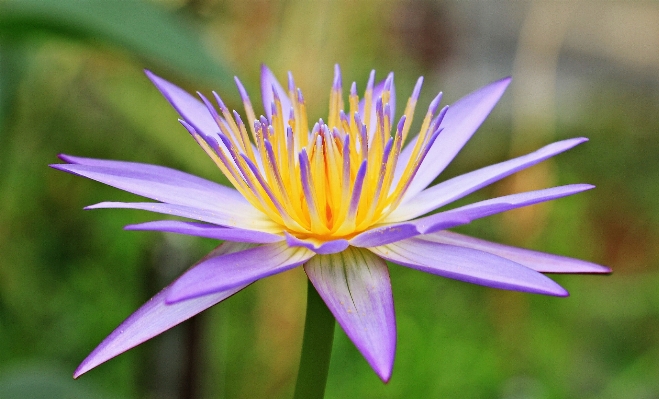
146, 30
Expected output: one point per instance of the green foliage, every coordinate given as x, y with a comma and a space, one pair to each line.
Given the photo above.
145, 30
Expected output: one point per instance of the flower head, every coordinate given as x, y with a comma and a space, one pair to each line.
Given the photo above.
340, 197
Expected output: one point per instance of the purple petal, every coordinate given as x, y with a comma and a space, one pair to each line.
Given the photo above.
182, 179
448, 219
459, 124
355, 286
228, 271
470, 265
189, 107
459, 216
268, 81
538, 261
154, 317
319, 247
460, 186
163, 184
208, 231
384, 235
204, 215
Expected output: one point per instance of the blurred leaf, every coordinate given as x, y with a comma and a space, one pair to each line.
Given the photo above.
36, 381
11, 69
146, 30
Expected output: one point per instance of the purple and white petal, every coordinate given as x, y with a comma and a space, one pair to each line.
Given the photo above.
355, 286
190, 108
460, 186
225, 272
319, 247
469, 265
468, 213
207, 231
538, 261
459, 124
268, 82
261, 223
162, 184
154, 317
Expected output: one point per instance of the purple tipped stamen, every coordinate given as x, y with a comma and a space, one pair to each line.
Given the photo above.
371, 81
417, 89
389, 81
241, 89
357, 190
220, 103
337, 77
401, 124
291, 83
435, 103
210, 108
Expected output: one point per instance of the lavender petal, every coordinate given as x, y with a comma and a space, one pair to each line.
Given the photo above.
319, 247
207, 231
189, 107
448, 219
469, 265
460, 186
355, 286
459, 124
225, 272
459, 216
161, 184
154, 317
538, 261
384, 235
205, 215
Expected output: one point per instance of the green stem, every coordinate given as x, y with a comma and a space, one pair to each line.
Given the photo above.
316, 348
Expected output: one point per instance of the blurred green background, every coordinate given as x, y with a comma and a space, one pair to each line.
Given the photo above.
71, 81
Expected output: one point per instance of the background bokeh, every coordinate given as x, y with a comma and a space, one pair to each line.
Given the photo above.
71, 81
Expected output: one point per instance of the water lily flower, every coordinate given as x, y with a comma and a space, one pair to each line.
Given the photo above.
340, 199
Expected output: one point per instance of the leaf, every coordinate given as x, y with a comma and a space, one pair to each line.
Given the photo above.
147, 31
12, 60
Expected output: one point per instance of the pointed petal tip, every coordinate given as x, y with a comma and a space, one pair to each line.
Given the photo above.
582, 187
601, 270
504, 81
149, 74
384, 373
417, 88
591, 268
155, 79
79, 371
65, 158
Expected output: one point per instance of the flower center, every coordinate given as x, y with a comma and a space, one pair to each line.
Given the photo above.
334, 181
